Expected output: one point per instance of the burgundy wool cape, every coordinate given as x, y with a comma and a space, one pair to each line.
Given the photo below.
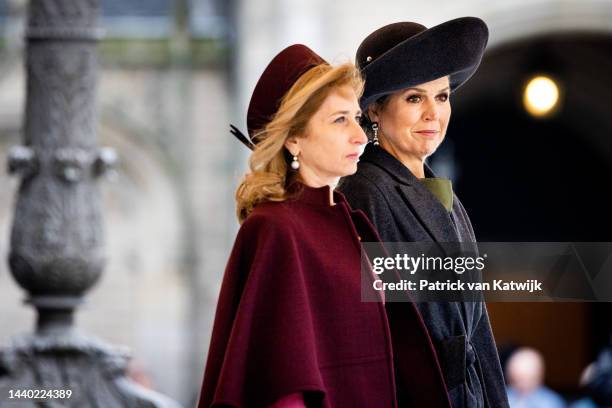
290, 317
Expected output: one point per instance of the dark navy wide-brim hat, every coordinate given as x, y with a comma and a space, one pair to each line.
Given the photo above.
401, 55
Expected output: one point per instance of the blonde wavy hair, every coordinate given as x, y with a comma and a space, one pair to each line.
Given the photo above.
270, 176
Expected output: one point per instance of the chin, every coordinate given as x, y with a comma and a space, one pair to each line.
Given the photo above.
429, 150
349, 171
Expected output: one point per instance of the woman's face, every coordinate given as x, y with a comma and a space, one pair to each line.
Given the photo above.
413, 122
332, 142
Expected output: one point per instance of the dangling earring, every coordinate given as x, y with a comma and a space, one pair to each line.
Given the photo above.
375, 130
295, 164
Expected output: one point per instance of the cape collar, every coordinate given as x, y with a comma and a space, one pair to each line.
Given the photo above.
361, 226
383, 159
316, 195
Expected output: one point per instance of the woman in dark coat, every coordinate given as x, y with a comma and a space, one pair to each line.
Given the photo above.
290, 328
410, 72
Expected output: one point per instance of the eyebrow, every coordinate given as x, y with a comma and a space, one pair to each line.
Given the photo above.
344, 112
424, 91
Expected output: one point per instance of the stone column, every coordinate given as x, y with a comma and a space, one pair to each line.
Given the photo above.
57, 240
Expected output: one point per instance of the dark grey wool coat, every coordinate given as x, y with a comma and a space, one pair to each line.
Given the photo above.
403, 210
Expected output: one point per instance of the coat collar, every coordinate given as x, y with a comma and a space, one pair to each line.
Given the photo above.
424, 205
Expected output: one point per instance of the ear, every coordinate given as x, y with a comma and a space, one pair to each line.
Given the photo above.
372, 112
293, 145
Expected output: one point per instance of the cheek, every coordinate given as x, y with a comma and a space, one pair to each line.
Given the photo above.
309, 149
446, 117
408, 117
399, 121
324, 150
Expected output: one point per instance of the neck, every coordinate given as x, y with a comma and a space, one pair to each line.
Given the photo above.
415, 164
416, 167
311, 180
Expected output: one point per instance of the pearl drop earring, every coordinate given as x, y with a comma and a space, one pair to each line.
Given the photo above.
295, 164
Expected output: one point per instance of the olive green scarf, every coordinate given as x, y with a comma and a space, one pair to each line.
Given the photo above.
441, 188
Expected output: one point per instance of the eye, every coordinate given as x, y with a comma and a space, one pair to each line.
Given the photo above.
413, 99
443, 97
358, 118
340, 119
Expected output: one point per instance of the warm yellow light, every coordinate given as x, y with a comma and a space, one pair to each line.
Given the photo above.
541, 96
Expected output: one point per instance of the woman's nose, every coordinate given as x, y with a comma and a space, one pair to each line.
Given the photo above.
359, 135
431, 112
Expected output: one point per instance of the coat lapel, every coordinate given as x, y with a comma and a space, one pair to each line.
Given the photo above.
430, 213
424, 205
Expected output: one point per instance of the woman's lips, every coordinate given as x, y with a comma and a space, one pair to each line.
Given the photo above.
427, 132
354, 156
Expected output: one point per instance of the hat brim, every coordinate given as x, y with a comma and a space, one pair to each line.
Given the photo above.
453, 48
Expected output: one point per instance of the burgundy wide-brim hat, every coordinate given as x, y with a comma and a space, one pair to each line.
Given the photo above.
277, 79
401, 55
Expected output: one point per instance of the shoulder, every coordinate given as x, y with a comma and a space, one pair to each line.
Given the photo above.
365, 188
361, 183
550, 396
371, 172
269, 219
271, 214
265, 234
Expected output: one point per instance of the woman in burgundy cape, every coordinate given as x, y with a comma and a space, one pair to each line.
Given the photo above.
291, 329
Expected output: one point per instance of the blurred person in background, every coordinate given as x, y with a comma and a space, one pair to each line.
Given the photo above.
526, 389
290, 328
596, 380
410, 72
585, 401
